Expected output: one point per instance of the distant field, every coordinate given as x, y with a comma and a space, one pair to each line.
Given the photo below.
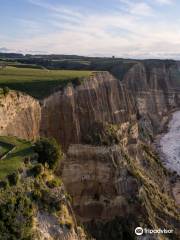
39, 83
14, 160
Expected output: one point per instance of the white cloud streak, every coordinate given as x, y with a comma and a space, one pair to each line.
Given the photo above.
164, 1
93, 34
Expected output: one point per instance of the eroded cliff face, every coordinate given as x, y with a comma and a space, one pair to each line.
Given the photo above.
151, 91
120, 179
68, 115
99, 182
156, 87
126, 181
20, 116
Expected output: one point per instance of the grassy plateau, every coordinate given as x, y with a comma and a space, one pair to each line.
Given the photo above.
39, 83
12, 153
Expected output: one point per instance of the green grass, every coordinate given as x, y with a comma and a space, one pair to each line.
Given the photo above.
4, 148
14, 160
39, 83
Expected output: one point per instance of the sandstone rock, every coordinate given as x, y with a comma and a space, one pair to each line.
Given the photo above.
68, 115
19, 116
97, 181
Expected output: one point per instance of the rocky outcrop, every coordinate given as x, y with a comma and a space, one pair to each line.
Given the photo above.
48, 228
19, 115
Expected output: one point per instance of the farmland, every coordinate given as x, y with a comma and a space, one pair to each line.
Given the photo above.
39, 83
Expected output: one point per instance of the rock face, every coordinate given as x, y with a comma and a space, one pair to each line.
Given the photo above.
99, 188
156, 87
106, 182
125, 181
19, 116
68, 115
48, 228
147, 88
150, 89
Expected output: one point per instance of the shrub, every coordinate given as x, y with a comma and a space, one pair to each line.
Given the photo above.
49, 152
13, 178
16, 217
4, 184
36, 195
37, 170
5, 91
56, 182
100, 133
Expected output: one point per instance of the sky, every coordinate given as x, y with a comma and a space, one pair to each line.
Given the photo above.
121, 28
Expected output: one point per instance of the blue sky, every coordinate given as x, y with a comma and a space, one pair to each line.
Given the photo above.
124, 28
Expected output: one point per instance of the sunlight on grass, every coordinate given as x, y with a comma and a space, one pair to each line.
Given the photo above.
38, 83
14, 160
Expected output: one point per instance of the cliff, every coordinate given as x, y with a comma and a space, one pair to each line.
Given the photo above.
148, 90
156, 88
100, 189
102, 98
123, 184
151, 91
20, 115
107, 127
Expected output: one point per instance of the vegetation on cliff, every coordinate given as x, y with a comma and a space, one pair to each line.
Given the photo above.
151, 205
158, 208
100, 133
48, 151
30, 192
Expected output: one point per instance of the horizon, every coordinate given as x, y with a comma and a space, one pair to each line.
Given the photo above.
86, 56
121, 28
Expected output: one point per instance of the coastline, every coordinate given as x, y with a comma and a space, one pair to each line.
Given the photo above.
164, 131
173, 175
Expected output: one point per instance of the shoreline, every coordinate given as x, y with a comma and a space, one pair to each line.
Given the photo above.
164, 131
174, 176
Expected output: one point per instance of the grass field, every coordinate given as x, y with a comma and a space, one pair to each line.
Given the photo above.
39, 83
4, 148
14, 160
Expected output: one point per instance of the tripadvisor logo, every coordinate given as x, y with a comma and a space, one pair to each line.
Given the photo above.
139, 231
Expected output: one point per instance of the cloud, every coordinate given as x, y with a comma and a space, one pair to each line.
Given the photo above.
141, 9
165, 1
58, 8
137, 8
5, 50
129, 32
